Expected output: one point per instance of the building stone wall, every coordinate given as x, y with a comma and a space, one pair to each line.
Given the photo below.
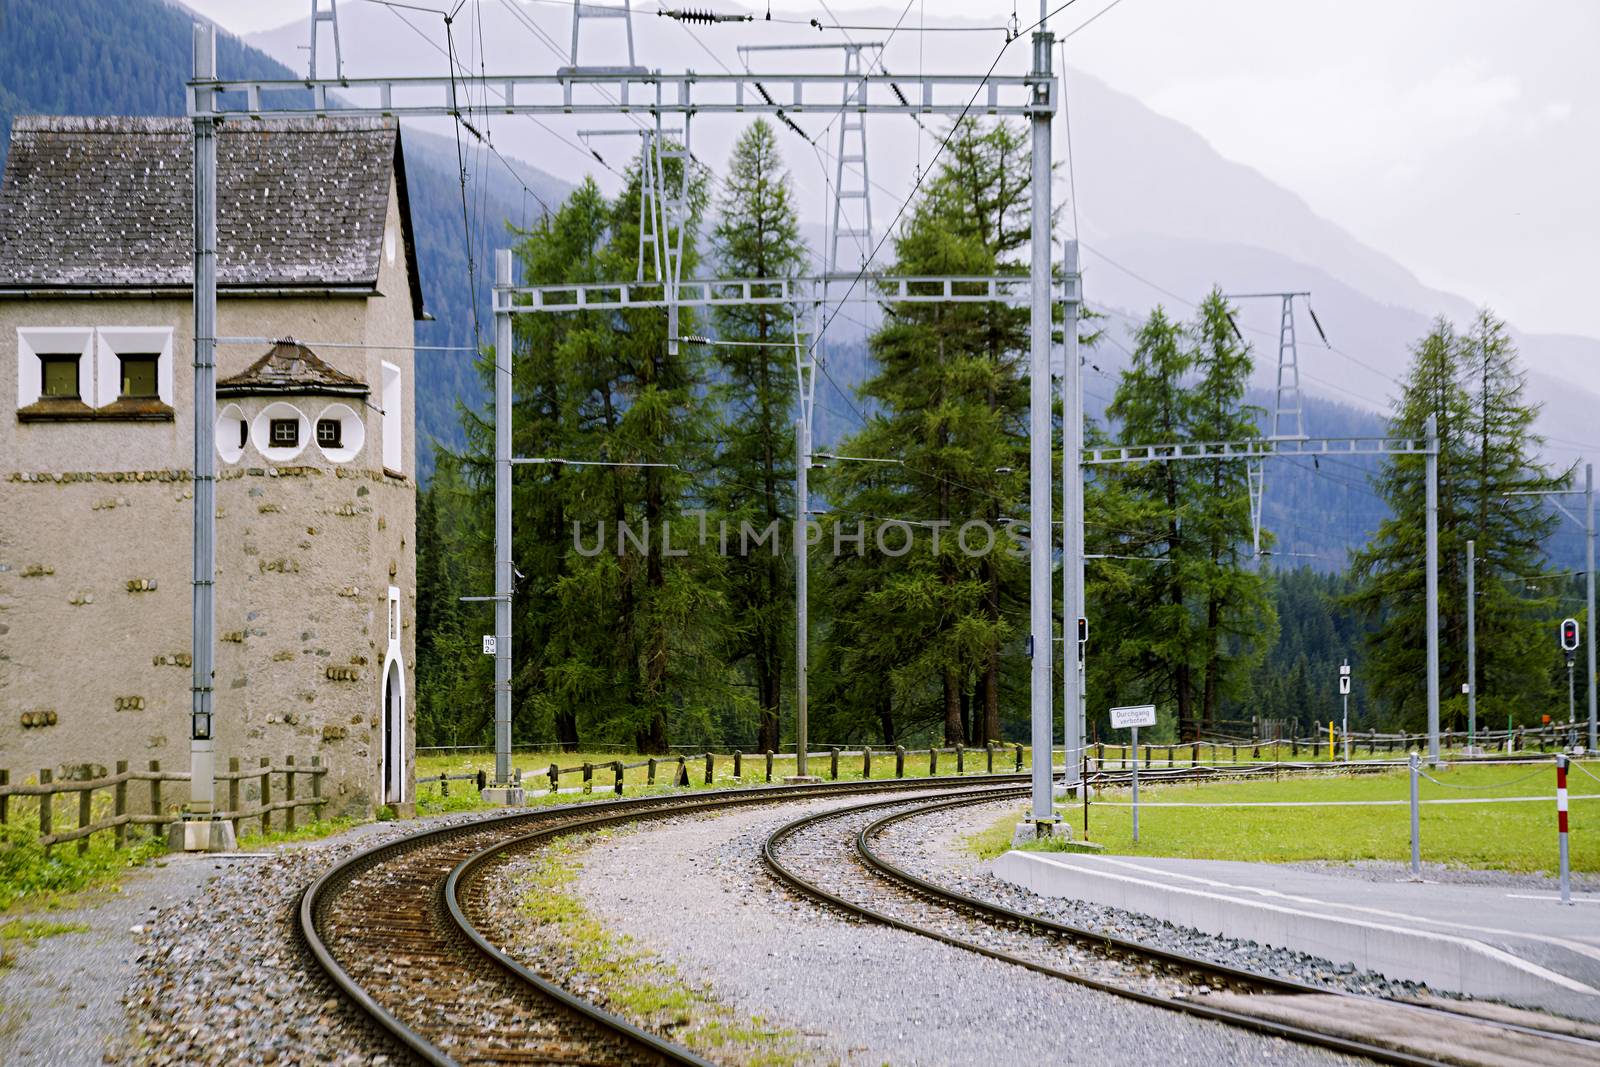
96, 529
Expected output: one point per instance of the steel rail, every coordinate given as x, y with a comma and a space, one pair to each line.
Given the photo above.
317, 901
1239, 979
1190, 1007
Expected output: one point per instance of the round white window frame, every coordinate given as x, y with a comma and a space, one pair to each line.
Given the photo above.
261, 431
227, 433
354, 430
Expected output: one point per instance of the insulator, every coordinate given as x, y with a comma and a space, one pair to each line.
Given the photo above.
689, 14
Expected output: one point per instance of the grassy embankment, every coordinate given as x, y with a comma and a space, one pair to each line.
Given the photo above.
1518, 836
634, 982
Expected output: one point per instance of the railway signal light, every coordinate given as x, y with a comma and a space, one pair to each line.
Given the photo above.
1569, 635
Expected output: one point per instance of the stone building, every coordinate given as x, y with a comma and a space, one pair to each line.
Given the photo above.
316, 502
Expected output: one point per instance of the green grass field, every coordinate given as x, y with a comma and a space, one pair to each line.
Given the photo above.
1505, 836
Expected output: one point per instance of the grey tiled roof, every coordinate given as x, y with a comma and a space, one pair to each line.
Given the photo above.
291, 367
107, 203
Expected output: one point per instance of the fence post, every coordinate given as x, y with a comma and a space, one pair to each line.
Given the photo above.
233, 795
555, 778
46, 808
5, 798
769, 765
288, 794
933, 762
617, 767
266, 796
444, 784
85, 803
988, 752
683, 771
155, 794
483, 780
899, 761
1194, 757
316, 788
1561, 827
738, 764
650, 771
866, 763
588, 777
120, 802
833, 763
1415, 765
711, 771
961, 761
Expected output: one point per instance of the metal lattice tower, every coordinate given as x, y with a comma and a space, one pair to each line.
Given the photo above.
852, 150
851, 180
667, 214
330, 15
649, 200
1288, 414
581, 11
1288, 408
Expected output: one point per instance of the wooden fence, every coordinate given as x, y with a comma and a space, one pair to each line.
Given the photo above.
677, 767
1227, 750
48, 788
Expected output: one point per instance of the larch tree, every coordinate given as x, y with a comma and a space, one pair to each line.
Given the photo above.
1158, 639
757, 235
1238, 618
951, 406
1487, 449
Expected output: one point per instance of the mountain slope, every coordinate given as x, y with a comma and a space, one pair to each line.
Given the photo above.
1153, 197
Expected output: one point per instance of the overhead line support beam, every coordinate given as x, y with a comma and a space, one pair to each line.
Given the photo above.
580, 93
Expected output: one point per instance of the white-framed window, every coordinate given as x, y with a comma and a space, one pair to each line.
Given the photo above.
233, 433
133, 363
281, 431
96, 365
340, 433
392, 401
53, 361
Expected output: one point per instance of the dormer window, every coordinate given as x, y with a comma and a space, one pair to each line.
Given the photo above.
284, 433
139, 376
58, 375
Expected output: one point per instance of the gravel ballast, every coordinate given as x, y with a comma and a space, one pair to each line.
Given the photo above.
930, 846
694, 892
223, 978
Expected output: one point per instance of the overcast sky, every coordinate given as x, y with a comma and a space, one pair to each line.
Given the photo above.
1461, 137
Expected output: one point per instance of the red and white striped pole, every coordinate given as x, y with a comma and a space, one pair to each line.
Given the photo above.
1561, 824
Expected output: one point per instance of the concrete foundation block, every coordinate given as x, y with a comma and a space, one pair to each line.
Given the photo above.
509, 796
1028, 830
801, 779
201, 835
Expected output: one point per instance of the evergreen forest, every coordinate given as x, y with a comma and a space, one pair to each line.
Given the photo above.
655, 596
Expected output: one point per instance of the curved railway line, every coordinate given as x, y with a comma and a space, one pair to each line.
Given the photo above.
392, 928
1387, 1030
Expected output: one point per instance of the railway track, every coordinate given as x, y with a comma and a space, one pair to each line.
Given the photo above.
1461, 1034
391, 929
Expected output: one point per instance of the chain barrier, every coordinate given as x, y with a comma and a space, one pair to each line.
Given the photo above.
1479, 788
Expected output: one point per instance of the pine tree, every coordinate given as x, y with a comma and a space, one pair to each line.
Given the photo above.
1158, 639
951, 406
1238, 617
1470, 383
757, 236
